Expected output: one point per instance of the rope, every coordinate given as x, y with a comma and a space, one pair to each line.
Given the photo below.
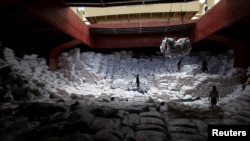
168, 19
170, 10
179, 50
182, 20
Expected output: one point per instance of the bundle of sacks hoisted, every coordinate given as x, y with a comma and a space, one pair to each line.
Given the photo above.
175, 49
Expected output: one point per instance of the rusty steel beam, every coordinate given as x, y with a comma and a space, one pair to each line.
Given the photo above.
240, 51
221, 16
59, 15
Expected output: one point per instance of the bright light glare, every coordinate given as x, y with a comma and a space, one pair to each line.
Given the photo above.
216, 1
80, 8
202, 1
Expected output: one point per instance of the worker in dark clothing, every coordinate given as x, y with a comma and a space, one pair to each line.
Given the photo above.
214, 97
137, 81
179, 64
204, 66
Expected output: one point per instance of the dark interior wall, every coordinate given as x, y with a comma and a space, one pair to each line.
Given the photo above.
205, 45
248, 52
21, 48
240, 31
29, 45
208, 45
246, 41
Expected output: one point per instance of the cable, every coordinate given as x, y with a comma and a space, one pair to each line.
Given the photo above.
169, 17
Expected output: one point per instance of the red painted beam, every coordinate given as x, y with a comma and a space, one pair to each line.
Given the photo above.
222, 15
240, 51
57, 50
131, 40
135, 40
61, 16
142, 24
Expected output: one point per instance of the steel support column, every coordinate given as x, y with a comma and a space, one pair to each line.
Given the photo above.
240, 52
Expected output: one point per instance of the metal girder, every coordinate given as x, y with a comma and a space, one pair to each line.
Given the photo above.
57, 50
61, 16
221, 16
130, 40
118, 40
142, 24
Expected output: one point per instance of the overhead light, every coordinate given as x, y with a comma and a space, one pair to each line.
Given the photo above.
87, 23
80, 8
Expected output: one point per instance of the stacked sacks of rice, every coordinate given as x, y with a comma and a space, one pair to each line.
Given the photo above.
74, 69
25, 67
185, 129
175, 49
9, 56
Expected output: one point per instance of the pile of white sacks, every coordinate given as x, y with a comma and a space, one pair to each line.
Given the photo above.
90, 73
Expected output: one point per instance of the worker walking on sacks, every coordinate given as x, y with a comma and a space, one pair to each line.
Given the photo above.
204, 65
214, 97
179, 64
137, 81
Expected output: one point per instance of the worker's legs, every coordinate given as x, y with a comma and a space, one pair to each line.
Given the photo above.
213, 102
138, 85
243, 87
